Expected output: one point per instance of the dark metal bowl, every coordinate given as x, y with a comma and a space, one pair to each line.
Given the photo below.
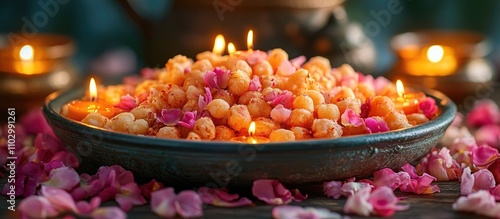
221, 164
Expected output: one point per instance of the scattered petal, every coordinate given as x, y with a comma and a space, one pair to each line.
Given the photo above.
384, 202
188, 204
481, 203
297, 212
271, 192
333, 189
358, 203
188, 119
255, 84
64, 178
37, 207
484, 155
376, 125
162, 202
108, 213
221, 198
485, 112
129, 196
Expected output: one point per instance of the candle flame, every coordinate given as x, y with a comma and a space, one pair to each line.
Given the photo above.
435, 53
251, 129
26, 53
219, 45
231, 49
250, 40
92, 90
400, 88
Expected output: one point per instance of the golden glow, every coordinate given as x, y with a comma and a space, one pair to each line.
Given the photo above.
231, 49
219, 45
251, 129
400, 88
435, 53
26, 53
250, 40
92, 90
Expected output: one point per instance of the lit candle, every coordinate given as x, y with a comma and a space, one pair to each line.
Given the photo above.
79, 109
435, 60
251, 139
250, 40
407, 101
27, 54
231, 49
219, 45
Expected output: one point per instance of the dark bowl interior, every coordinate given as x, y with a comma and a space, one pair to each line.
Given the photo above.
221, 164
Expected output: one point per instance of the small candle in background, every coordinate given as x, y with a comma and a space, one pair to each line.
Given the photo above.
435, 60
215, 56
407, 101
79, 109
251, 139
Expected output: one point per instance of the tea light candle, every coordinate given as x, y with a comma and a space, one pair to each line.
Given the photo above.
251, 139
32, 70
79, 109
444, 61
435, 60
407, 101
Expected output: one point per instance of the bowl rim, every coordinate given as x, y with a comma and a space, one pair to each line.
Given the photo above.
447, 113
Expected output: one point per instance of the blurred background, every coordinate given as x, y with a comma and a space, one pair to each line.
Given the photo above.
118, 37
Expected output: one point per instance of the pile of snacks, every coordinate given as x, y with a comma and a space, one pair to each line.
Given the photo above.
217, 97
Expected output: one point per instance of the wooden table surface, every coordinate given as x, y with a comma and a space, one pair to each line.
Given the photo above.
421, 206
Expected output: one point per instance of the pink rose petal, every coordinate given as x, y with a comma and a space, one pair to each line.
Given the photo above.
37, 207
280, 113
85, 208
285, 69
271, 192
108, 213
163, 202
64, 178
333, 189
428, 107
188, 119
221, 198
488, 135
188, 204
255, 84
485, 112
484, 155
376, 125
420, 185
298, 61
59, 198
351, 118
127, 103
169, 116
481, 203
148, 188
358, 203
218, 78
129, 196
384, 202
297, 212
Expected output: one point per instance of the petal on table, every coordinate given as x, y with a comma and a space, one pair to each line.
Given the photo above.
484, 155
480, 202
64, 178
163, 202
466, 182
271, 192
188, 204
59, 198
384, 202
333, 189
129, 196
108, 213
358, 203
221, 198
86, 208
484, 112
37, 207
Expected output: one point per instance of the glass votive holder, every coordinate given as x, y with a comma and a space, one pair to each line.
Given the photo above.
34, 68
452, 62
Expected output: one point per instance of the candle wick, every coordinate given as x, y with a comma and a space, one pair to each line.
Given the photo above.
93, 99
